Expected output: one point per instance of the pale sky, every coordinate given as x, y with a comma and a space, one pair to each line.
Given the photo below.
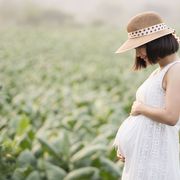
85, 10
112, 12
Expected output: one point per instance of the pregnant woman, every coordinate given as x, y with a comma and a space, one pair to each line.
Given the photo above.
148, 139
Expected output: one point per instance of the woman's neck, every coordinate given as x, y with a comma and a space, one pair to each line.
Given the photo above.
168, 59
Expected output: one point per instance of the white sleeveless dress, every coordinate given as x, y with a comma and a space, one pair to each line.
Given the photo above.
151, 149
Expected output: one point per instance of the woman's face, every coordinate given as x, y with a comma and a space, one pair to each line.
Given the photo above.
141, 53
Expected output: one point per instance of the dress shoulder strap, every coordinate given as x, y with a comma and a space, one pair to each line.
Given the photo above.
165, 69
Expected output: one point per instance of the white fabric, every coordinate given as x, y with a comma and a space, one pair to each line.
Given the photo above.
151, 149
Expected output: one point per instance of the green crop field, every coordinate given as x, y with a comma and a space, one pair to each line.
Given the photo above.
64, 93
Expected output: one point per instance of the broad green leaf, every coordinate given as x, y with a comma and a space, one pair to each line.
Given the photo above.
76, 147
62, 145
34, 176
47, 146
26, 158
83, 174
23, 125
21, 173
110, 167
54, 172
87, 151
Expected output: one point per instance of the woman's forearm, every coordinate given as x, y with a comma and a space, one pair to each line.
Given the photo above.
158, 114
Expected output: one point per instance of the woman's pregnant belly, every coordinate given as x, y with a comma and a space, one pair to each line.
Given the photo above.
127, 134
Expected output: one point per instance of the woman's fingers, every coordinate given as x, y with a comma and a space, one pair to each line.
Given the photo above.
120, 157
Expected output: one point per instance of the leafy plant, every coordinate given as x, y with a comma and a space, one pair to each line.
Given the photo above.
64, 94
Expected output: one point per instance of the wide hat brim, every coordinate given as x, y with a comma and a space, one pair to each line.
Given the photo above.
138, 41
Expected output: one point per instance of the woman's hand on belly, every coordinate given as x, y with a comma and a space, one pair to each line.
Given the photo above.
137, 108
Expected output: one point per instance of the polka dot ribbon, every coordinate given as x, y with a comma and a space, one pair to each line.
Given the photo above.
176, 37
151, 30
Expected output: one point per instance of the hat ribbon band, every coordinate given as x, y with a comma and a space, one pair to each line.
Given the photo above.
147, 30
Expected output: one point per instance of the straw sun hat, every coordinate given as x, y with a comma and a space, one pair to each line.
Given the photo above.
143, 28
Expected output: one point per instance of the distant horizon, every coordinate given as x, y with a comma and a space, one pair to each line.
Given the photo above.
114, 13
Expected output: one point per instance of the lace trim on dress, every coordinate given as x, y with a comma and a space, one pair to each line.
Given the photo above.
154, 138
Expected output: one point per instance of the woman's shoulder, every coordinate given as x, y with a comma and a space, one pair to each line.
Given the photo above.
173, 72
174, 68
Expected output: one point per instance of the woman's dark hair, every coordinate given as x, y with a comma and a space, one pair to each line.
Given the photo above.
158, 48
